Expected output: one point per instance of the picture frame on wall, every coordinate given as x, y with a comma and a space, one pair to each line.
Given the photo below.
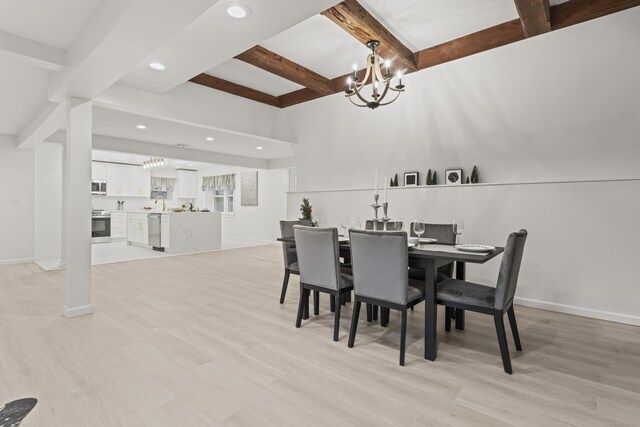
411, 179
453, 176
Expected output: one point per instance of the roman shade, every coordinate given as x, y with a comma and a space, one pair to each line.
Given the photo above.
162, 184
219, 182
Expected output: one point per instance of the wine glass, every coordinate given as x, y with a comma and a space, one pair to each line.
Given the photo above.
458, 228
418, 229
317, 221
344, 223
356, 224
398, 224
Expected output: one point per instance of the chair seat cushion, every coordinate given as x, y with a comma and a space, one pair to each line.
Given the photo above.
415, 290
346, 281
462, 292
294, 268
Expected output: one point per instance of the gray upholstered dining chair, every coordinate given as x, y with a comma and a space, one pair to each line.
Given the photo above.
319, 265
453, 293
445, 236
289, 253
371, 224
380, 277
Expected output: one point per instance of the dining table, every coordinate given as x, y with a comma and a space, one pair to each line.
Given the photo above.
429, 257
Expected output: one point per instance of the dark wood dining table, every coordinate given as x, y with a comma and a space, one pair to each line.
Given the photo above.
429, 257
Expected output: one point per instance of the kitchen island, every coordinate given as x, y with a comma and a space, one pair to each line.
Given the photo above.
177, 232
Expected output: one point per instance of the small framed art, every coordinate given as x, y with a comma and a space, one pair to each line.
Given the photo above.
453, 176
411, 179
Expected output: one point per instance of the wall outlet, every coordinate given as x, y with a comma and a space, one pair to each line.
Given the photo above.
16, 201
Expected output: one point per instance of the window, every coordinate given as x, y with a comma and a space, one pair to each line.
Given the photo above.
223, 201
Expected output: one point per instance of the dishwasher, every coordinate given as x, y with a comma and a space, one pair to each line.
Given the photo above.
155, 231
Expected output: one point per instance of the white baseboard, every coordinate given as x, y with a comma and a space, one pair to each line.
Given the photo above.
77, 311
15, 261
580, 311
49, 264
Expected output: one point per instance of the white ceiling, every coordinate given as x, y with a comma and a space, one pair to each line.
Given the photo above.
137, 159
52, 22
123, 125
256, 78
321, 46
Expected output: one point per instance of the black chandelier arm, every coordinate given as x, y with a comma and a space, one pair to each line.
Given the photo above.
357, 105
360, 96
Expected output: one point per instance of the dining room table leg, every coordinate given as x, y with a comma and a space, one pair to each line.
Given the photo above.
460, 275
430, 311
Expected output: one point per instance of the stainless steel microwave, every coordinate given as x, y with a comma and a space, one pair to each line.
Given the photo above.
99, 187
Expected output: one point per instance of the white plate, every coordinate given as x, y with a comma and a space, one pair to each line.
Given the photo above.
411, 245
428, 240
343, 239
470, 247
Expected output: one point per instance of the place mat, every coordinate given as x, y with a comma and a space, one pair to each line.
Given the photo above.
446, 248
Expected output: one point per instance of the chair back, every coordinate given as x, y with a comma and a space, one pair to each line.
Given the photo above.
371, 224
380, 261
443, 232
289, 248
318, 256
509, 269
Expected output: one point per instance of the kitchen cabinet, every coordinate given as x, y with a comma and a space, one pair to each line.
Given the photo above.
187, 185
139, 182
118, 225
117, 180
138, 229
98, 171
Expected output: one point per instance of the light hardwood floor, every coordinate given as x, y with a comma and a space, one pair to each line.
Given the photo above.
200, 340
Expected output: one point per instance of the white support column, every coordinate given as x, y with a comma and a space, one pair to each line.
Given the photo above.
77, 300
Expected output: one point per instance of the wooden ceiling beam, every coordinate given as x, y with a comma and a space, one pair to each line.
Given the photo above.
534, 16
578, 11
263, 58
235, 89
483, 40
304, 95
354, 19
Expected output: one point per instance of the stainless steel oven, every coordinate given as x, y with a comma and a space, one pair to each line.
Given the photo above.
100, 226
99, 187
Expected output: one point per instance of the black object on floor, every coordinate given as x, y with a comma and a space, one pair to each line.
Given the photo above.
12, 413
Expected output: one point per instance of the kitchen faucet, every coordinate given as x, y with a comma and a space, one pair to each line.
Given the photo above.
164, 203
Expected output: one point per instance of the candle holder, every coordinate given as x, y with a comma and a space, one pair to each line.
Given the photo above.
376, 206
385, 219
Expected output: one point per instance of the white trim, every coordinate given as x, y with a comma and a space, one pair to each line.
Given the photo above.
77, 311
580, 311
50, 264
15, 261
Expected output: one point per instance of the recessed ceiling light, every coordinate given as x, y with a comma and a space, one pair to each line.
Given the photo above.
258, 148
209, 138
189, 164
157, 66
106, 160
141, 126
238, 11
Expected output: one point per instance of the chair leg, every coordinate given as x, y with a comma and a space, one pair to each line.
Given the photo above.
305, 310
369, 313
403, 335
498, 318
285, 283
447, 319
354, 322
303, 291
347, 297
514, 328
332, 303
374, 312
336, 322
384, 316
316, 303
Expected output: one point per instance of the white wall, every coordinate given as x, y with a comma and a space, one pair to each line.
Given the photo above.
252, 223
48, 232
17, 203
561, 107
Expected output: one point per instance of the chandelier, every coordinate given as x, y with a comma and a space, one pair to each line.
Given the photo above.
154, 162
380, 83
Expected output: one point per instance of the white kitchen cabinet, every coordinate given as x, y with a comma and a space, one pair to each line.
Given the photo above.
117, 180
118, 225
187, 185
138, 229
98, 171
139, 182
